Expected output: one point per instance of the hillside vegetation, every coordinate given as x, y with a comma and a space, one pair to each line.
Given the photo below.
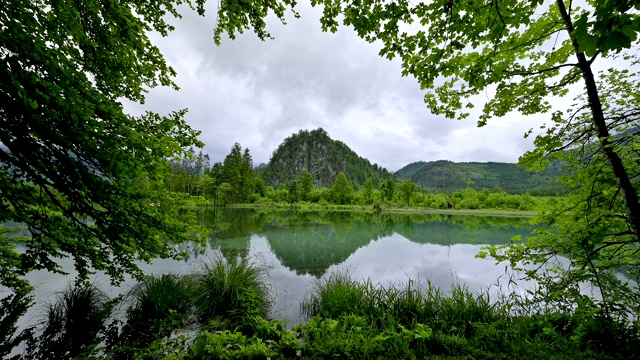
450, 176
322, 157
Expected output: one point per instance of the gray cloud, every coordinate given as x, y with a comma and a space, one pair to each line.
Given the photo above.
257, 93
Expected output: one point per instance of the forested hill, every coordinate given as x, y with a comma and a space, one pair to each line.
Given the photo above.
321, 156
449, 176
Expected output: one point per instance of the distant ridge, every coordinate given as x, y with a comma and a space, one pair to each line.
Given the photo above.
445, 175
321, 156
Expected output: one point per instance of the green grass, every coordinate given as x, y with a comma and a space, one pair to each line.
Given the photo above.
232, 288
225, 293
353, 319
160, 303
403, 304
155, 308
219, 312
72, 323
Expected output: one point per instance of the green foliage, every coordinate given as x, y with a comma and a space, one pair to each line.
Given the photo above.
184, 175
225, 193
449, 176
234, 17
73, 324
396, 304
12, 307
293, 192
353, 319
270, 340
74, 167
231, 288
361, 320
591, 228
350, 337
193, 175
228, 345
367, 191
342, 191
306, 185
388, 189
237, 172
157, 306
10, 237
406, 189
225, 296
261, 188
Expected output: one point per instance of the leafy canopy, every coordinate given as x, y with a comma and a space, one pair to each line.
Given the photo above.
406, 189
589, 228
75, 169
342, 191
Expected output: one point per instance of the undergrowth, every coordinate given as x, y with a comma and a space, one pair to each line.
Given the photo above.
219, 312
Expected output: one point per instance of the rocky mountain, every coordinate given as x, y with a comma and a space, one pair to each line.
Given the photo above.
445, 175
321, 156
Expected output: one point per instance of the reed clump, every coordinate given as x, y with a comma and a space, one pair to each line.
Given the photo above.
233, 289
359, 319
220, 312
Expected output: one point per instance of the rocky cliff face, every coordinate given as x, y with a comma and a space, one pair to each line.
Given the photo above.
322, 157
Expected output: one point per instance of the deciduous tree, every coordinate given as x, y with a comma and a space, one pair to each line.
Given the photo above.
406, 190
306, 184
74, 167
368, 190
342, 191
388, 189
590, 227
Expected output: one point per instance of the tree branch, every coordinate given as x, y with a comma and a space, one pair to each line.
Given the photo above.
542, 71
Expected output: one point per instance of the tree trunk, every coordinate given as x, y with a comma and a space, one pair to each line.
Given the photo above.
626, 188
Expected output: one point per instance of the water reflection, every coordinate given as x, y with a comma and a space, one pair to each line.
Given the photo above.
310, 242
300, 247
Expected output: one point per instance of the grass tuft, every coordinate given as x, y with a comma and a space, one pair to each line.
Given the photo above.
353, 319
157, 306
72, 323
233, 288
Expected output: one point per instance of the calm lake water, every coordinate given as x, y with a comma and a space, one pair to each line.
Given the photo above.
301, 247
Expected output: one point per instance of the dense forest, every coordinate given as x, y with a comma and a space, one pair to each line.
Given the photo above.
230, 181
236, 181
451, 176
323, 157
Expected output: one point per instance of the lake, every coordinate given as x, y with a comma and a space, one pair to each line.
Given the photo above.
298, 248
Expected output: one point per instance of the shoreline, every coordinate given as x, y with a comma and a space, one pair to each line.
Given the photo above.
384, 210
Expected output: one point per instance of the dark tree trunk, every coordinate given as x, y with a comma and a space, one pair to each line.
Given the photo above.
626, 188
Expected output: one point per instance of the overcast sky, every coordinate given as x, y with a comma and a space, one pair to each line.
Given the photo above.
258, 93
